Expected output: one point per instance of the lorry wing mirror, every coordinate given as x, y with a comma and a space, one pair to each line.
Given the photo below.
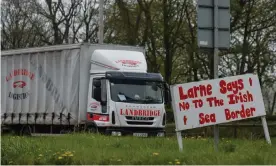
97, 83
167, 94
103, 92
154, 86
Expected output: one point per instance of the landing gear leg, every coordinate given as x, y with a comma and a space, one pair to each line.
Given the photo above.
26, 131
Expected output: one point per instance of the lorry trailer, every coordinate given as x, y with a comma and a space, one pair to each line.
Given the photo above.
81, 88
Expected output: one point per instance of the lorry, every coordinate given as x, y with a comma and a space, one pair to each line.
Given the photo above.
95, 88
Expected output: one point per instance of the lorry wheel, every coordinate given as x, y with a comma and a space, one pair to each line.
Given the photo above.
65, 132
25, 131
92, 129
9, 131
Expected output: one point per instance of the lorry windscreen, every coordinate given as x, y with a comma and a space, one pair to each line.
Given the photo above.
136, 91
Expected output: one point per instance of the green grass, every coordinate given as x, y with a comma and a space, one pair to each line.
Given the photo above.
249, 132
97, 149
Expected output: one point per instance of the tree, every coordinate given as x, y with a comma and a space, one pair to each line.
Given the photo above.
60, 14
17, 31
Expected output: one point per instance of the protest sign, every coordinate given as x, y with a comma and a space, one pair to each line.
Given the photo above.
210, 102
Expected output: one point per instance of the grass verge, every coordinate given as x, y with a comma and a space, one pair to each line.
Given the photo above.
97, 149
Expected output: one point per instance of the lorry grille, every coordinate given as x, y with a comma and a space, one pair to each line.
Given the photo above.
139, 123
134, 120
139, 118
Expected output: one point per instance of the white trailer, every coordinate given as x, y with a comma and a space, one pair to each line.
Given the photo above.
81, 87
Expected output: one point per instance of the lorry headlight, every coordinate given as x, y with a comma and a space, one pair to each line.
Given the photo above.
116, 133
161, 134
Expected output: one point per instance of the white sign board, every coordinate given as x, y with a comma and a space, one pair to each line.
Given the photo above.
210, 102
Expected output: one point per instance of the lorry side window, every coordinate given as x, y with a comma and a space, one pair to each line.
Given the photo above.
96, 90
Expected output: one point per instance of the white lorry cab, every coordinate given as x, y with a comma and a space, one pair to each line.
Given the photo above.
82, 87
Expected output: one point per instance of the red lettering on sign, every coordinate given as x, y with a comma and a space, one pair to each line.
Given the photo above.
250, 81
243, 113
195, 91
207, 118
233, 86
214, 102
185, 120
184, 106
240, 98
198, 103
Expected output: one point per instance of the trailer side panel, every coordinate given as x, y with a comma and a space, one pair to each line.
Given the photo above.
40, 87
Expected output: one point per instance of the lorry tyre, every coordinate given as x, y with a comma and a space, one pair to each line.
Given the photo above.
14, 132
92, 129
65, 131
9, 131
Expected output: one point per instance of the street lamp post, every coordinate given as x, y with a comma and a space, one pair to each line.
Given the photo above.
101, 24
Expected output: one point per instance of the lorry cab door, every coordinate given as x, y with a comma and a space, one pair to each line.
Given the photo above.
95, 103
